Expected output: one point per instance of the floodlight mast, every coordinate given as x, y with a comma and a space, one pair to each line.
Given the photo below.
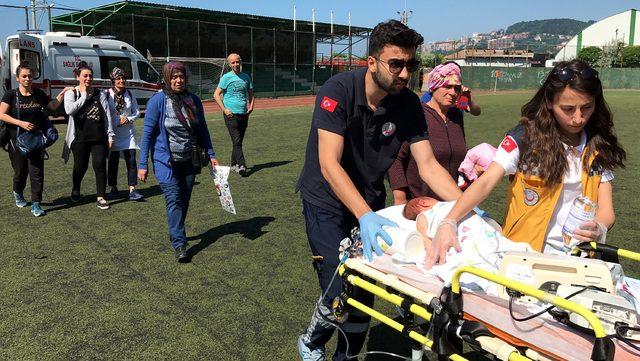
404, 15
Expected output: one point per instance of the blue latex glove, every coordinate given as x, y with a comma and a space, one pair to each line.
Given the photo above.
370, 228
481, 212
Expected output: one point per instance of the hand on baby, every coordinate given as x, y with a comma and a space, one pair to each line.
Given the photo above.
446, 237
370, 228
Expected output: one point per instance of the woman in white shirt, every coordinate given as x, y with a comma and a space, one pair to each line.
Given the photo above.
124, 108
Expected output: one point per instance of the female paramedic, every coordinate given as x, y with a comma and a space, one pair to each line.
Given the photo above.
24, 108
563, 147
174, 126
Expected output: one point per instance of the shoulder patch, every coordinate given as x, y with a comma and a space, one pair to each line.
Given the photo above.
508, 144
328, 104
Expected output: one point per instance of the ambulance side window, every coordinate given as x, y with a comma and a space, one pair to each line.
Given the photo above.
33, 59
148, 73
107, 63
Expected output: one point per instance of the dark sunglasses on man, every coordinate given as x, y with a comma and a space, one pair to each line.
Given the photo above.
396, 65
567, 74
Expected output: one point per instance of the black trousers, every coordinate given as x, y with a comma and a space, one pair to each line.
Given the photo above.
98, 152
31, 165
129, 160
325, 230
237, 126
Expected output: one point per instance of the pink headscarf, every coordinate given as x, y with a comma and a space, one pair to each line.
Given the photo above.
444, 75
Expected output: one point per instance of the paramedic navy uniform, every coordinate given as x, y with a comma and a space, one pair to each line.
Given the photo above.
371, 142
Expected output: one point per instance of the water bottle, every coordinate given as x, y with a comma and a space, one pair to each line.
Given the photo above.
582, 210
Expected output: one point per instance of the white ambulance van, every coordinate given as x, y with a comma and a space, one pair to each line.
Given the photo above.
55, 55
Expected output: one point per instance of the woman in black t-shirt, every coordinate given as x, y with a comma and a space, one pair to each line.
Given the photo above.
89, 132
23, 109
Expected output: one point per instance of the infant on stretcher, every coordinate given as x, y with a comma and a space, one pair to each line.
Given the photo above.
483, 245
480, 239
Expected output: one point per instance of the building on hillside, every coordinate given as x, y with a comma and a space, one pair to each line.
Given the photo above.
519, 36
445, 46
492, 57
501, 43
619, 28
279, 54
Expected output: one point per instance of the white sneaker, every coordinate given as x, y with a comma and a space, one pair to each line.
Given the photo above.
102, 204
308, 354
19, 199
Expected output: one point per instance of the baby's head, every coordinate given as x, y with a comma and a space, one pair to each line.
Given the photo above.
416, 206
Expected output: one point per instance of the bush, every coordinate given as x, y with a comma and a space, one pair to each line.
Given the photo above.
631, 57
591, 55
430, 60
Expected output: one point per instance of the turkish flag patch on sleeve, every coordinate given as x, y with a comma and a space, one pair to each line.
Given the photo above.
328, 104
508, 144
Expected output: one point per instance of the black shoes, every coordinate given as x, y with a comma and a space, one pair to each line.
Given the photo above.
242, 170
75, 195
113, 193
181, 254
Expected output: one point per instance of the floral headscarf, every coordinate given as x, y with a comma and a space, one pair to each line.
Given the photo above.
444, 75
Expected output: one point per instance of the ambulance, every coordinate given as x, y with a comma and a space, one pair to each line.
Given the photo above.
55, 55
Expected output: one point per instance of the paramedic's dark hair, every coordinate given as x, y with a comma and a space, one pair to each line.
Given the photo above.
545, 152
395, 33
23, 65
82, 66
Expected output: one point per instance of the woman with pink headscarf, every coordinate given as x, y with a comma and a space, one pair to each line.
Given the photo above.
446, 135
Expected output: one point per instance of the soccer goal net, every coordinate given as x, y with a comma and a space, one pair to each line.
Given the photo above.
204, 73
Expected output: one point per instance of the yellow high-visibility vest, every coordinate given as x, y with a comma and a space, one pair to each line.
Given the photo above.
530, 204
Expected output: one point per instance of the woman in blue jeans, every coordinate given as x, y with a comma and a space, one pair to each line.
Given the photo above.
173, 124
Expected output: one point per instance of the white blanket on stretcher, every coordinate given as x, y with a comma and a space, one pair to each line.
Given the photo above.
482, 246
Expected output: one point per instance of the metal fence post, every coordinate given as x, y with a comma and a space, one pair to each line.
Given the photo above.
252, 59
295, 59
274, 62
167, 32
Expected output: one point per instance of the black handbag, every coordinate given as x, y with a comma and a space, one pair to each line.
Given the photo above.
27, 142
30, 141
199, 156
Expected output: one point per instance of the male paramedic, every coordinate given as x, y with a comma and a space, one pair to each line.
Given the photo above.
359, 122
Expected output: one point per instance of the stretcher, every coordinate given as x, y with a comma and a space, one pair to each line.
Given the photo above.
482, 321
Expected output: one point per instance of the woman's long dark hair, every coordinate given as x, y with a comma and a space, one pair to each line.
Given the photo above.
545, 153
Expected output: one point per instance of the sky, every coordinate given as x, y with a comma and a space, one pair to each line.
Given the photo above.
435, 20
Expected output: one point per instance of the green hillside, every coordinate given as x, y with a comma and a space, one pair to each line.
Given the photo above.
549, 26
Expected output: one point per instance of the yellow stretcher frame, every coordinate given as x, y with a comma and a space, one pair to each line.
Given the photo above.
490, 344
494, 345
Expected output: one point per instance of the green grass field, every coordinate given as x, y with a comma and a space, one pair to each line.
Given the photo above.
81, 283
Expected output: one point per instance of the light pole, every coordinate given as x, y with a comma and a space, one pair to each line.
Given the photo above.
404, 15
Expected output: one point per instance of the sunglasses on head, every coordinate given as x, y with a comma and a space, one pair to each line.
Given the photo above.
396, 65
567, 74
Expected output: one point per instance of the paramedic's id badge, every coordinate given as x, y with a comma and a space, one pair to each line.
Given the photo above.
388, 129
531, 197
